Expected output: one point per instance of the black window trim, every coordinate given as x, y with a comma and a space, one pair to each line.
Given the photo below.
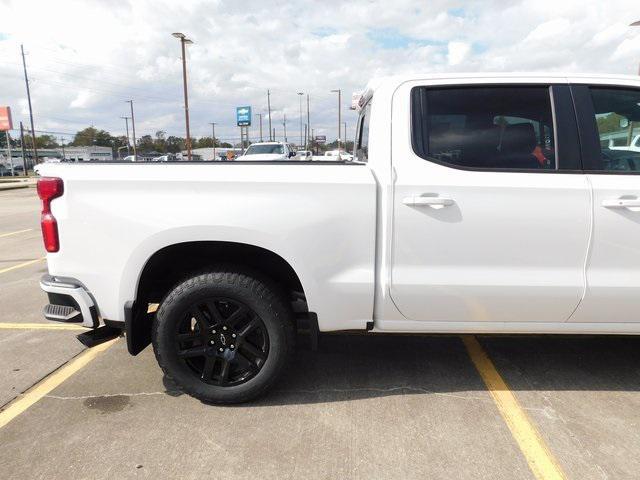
568, 152
589, 135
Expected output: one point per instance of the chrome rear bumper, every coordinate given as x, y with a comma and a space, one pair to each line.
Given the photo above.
69, 301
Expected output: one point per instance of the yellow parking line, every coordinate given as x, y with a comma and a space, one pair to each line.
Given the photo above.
538, 456
2, 235
40, 326
20, 265
50, 382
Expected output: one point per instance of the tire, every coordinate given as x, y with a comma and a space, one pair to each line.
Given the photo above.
224, 336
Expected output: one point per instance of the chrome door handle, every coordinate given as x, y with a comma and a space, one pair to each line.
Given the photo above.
435, 202
632, 204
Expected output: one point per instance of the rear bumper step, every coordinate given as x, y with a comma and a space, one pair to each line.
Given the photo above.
62, 313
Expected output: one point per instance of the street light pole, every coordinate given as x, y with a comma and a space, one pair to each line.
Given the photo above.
306, 140
345, 135
259, 115
213, 137
284, 124
269, 109
133, 127
300, 94
339, 92
126, 123
185, 41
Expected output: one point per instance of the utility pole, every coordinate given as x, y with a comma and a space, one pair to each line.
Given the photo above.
6, 132
313, 136
274, 133
345, 135
185, 41
133, 127
284, 124
636, 24
62, 145
339, 92
306, 140
300, 94
259, 115
213, 137
269, 108
24, 154
33, 131
126, 123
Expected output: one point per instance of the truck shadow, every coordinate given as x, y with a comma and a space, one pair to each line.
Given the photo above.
352, 367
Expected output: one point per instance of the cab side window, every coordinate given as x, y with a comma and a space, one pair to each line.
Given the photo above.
617, 115
489, 128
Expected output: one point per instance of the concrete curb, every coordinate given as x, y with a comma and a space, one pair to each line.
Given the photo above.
4, 188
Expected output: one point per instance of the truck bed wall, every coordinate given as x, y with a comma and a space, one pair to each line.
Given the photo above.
319, 218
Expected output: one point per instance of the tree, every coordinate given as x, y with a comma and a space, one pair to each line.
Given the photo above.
42, 141
146, 144
174, 144
160, 144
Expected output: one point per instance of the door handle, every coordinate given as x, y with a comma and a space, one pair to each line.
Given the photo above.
434, 202
632, 204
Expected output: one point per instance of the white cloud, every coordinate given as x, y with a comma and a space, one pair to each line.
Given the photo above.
86, 57
458, 52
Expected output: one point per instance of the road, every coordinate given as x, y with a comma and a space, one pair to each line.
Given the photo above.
362, 407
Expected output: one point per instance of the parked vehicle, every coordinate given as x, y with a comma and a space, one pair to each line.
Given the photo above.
267, 151
304, 155
634, 146
488, 207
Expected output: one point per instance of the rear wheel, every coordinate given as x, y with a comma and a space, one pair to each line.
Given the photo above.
224, 336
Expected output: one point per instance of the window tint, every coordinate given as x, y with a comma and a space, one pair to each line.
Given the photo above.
486, 127
618, 119
362, 142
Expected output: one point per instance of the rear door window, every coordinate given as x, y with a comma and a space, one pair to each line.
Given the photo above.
489, 128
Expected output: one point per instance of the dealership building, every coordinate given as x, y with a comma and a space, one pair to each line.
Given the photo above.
86, 154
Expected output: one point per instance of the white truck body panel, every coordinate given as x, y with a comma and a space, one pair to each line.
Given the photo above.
485, 263
319, 218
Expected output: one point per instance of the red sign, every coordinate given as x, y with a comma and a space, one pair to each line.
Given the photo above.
5, 119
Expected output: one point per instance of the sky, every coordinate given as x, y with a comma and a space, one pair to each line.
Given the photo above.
85, 58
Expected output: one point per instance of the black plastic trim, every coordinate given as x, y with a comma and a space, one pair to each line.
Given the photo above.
566, 130
137, 328
587, 129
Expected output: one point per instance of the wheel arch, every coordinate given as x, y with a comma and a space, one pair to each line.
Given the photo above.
173, 263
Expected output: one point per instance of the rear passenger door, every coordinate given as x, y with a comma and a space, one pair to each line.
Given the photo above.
491, 212
609, 118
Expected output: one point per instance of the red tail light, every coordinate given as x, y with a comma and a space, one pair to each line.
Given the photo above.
48, 189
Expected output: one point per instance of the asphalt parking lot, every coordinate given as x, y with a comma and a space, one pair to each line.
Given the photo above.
495, 407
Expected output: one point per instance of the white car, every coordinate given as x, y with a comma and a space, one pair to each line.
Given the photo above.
489, 207
267, 151
304, 155
634, 146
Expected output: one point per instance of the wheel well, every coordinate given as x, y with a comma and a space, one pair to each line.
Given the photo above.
172, 264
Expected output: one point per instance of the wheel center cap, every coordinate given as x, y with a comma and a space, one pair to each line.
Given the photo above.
223, 339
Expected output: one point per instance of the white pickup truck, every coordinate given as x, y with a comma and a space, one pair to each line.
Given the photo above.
474, 204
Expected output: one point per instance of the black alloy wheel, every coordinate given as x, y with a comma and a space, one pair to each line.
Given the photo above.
222, 341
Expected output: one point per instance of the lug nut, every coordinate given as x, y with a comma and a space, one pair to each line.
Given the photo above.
224, 328
213, 331
233, 335
211, 342
222, 349
231, 346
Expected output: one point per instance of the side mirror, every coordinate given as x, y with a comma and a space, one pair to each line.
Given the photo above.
292, 154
